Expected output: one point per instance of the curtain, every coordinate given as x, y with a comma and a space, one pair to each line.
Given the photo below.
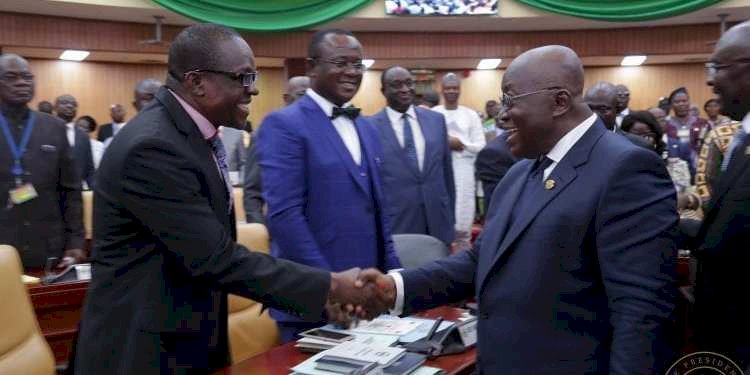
263, 15
620, 10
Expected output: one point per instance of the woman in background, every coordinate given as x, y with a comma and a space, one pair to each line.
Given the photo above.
88, 124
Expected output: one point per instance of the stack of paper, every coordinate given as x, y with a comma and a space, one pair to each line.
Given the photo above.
313, 345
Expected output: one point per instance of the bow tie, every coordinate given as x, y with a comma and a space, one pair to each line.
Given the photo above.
350, 112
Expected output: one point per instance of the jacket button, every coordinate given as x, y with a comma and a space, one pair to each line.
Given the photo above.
26, 224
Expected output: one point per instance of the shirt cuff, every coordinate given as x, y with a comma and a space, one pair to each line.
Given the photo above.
398, 307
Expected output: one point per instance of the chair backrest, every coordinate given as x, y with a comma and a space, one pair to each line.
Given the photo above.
415, 250
23, 349
88, 213
254, 236
239, 207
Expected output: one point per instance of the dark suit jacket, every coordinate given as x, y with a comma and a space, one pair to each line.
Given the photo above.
53, 222
252, 198
165, 255
105, 131
492, 163
84, 157
723, 253
582, 281
323, 209
408, 190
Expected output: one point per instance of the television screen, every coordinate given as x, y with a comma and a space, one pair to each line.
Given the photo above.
440, 7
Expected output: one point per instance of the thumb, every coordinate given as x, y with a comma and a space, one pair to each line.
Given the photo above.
369, 275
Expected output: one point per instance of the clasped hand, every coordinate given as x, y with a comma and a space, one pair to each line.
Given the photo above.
359, 294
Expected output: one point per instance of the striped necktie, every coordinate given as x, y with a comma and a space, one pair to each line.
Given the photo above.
409, 147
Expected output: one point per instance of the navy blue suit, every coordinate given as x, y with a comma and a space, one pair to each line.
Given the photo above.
681, 150
419, 201
324, 210
581, 281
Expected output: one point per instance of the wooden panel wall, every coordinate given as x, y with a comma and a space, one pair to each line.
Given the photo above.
96, 86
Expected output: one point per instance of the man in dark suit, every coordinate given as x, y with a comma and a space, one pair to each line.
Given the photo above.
493, 163
50, 224
117, 113
417, 169
723, 244
253, 187
320, 164
66, 108
602, 99
165, 254
574, 269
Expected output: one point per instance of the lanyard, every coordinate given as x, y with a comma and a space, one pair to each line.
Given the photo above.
17, 150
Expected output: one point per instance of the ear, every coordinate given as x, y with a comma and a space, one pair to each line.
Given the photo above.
563, 102
194, 84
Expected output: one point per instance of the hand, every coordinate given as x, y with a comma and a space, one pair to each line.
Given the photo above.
71, 257
384, 287
344, 299
455, 144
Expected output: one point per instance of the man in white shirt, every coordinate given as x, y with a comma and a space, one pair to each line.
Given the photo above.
66, 108
574, 269
466, 139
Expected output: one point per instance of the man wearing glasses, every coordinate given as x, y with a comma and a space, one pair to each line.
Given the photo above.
602, 99
320, 166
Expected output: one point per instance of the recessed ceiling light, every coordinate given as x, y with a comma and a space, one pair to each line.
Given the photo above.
634, 60
368, 62
488, 64
74, 55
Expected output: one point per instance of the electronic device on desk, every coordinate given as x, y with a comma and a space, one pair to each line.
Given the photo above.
327, 335
456, 339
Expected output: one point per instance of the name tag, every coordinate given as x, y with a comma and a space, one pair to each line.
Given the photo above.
23, 193
683, 133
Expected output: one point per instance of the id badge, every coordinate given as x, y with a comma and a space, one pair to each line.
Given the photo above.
683, 133
23, 193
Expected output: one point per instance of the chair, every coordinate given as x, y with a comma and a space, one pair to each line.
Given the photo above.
250, 331
88, 212
23, 349
415, 250
239, 207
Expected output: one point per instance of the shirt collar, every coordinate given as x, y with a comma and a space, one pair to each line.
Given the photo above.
324, 103
207, 129
394, 113
569, 140
746, 123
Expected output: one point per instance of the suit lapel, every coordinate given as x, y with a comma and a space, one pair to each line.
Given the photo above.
325, 126
386, 128
726, 181
194, 138
432, 139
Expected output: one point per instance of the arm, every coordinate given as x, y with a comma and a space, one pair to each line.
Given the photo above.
89, 169
282, 158
161, 188
476, 135
239, 150
69, 190
252, 198
635, 227
450, 185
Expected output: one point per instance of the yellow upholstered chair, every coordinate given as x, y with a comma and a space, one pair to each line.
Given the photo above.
88, 213
239, 208
23, 349
250, 332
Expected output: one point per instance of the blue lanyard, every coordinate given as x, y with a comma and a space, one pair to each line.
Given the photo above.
17, 150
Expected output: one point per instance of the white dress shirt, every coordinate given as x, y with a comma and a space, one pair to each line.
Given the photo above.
746, 123
344, 125
71, 133
397, 123
556, 154
116, 127
621, 116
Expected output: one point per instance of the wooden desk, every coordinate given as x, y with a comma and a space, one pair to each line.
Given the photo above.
280, 359
58, 311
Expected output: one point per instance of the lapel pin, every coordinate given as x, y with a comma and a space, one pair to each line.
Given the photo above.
549, 184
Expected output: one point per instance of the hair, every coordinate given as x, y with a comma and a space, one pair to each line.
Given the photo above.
385, 72
599, 88
91, 121
675, 92
431, 97
44, 104
647, 118
197, 47
313, 49
147, 84
709, 101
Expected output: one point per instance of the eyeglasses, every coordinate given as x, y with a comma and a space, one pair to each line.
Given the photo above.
342, 64
246, 79
712, 68
397, 84
11, 77
508, 100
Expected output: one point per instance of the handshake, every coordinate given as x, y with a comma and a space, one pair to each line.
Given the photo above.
359, 294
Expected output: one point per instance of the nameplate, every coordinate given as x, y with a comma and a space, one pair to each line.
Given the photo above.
468, 332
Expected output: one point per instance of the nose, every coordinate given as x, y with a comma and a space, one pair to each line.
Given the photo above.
252, 90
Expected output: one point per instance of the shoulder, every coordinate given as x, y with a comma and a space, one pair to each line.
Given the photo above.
429, 114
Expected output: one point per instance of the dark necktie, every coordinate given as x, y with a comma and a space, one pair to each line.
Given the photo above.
217, 147
532, 187
409, 147
738, 140
351, 112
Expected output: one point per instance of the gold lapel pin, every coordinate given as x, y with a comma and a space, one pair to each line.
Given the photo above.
549, 184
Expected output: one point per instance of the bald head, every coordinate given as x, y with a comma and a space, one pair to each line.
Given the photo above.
145, 92
545, 67
17, 82
296, 88
602, 99
732, 83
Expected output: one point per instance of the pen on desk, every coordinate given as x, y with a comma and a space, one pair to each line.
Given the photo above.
434, 328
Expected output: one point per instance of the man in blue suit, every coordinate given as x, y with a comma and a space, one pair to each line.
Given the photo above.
417, 170
320, 166
573, 272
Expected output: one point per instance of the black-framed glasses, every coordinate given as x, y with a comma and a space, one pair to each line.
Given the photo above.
343, 64
397, 84
713, 67
11, 77
246, 79
507, 100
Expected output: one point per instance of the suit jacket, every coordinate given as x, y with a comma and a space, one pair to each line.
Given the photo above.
407, 189
323, 209
252, 198
53, 222
235, 148
84, 157
165, 255
681, 150
720, 312
105, 131
492, 163
582, 281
